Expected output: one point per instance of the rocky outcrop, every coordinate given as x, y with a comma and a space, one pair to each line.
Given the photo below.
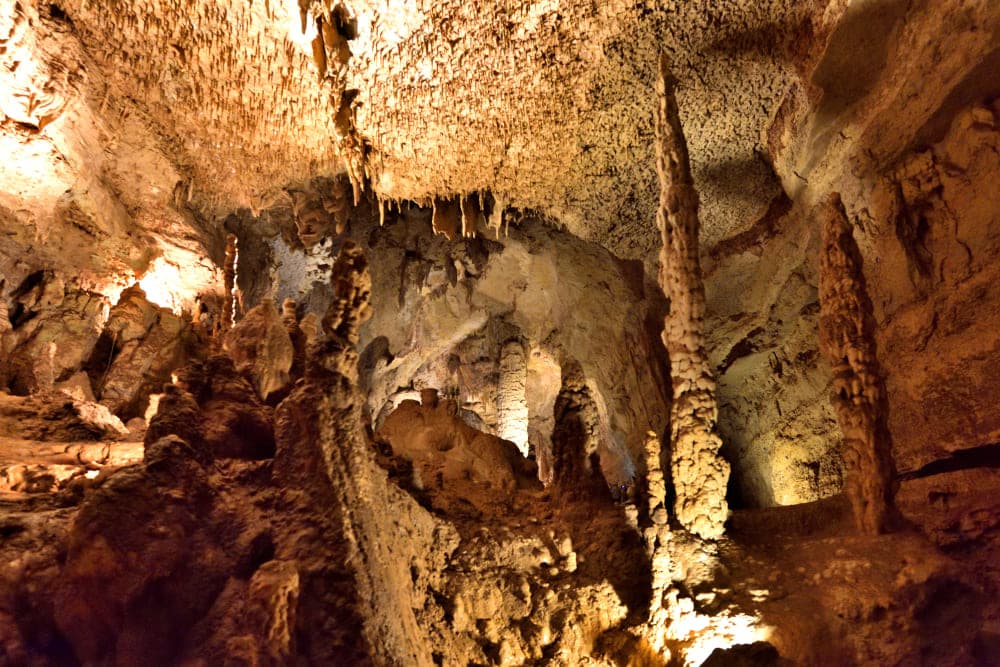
699, 474
140, 347
846, 337
445, 451
140, 571
217, 412
443, 312
50, 332
49, 442
261, 348
934, 290
56, 417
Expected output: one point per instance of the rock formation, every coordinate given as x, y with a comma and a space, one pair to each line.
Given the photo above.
846, 337
229, 283
657, 537
262, 348
699, 474
332, 333
512, 404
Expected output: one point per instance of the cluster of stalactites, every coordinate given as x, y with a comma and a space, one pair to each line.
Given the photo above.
846, 337
461, 216
699, 474
457, 216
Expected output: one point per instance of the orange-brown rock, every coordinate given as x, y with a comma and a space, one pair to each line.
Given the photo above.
846, 337
445, 451
262, 350
698, 472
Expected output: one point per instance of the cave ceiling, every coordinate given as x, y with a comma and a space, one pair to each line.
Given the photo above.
546, 105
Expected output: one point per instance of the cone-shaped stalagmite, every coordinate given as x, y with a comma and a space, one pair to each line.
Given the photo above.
846, 337
699, 473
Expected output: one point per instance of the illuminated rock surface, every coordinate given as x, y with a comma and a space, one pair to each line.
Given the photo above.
330, 333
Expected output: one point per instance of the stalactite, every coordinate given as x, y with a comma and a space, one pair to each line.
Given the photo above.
472, 216
446, 218
496, 218
846, 337
699, 473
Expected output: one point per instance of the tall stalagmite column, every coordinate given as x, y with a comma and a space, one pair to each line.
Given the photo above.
229, 283
699, 473
512, 402
846, 337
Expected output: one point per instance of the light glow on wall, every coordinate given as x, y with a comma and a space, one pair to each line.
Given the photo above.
512, 402
701, 634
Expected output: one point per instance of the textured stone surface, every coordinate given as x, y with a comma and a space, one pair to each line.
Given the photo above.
136, 134
846, 337
140, 347
262, 349
446, 450
699, 473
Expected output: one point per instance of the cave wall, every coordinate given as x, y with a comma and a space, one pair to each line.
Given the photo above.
881, 136
443, 311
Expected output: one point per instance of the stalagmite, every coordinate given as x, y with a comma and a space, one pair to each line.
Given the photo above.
846, 337
289, 317
657, 537
699, 473
575, 461
512, 404
229, 281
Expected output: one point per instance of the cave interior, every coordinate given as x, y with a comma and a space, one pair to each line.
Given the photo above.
532, 332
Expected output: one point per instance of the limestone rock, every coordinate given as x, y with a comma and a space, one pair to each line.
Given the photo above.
214, 408
55, 328
448, 451
56, 417
699, 473
140, 347
262, 349
77, 387
273, 597
125, 546
846, 336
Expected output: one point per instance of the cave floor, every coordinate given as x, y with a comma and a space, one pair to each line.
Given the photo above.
824, 592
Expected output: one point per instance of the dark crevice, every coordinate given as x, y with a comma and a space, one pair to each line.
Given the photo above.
987, 456
747, 346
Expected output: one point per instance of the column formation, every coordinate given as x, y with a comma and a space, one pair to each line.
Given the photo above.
846, 337
699, 473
